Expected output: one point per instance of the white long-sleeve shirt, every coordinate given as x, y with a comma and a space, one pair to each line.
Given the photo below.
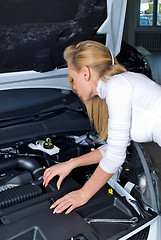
134, 105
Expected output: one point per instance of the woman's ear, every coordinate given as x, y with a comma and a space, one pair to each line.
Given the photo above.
86, 73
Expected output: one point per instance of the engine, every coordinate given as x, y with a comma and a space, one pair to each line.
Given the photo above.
22, 166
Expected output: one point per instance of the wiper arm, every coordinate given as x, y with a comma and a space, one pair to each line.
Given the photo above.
61, 107
56, 110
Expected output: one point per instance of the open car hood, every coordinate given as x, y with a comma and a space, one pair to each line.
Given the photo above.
33, 36
38, 108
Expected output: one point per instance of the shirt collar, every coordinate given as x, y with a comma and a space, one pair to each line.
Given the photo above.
101, 89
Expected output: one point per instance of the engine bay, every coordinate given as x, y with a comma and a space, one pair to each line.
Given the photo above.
25, 163
25, 201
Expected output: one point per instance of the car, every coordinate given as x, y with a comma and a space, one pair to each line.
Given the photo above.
144, 21
42, 123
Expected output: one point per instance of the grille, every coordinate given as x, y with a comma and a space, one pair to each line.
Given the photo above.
142, 235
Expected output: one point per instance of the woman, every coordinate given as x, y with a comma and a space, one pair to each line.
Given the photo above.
123, 106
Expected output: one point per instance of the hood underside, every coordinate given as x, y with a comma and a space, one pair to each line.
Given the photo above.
33, 35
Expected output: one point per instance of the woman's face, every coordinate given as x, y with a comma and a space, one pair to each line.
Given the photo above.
83, 82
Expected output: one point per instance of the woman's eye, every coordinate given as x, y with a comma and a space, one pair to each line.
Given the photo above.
70, 79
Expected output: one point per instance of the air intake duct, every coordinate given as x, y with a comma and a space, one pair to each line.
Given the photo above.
19, 194
25, 163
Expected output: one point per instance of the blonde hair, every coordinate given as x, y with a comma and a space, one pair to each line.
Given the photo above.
95, 56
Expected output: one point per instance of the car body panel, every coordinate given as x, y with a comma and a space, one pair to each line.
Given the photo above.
113, 25
41, 108
17, 80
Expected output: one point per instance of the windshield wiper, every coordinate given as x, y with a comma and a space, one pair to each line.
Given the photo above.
46, 113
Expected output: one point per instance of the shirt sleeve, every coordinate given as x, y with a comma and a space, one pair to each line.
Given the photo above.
119, 102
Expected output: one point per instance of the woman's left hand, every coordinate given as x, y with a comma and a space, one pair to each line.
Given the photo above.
70, 201
80, 197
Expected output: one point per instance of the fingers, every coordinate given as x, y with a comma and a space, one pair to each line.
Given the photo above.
70, 201
61, 207
59, 201
62, 204
48, 175
61, 170
69, 210
59, 182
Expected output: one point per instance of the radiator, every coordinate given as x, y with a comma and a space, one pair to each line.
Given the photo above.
150, 40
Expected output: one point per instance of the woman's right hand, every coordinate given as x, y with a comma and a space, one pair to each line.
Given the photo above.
61, 170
